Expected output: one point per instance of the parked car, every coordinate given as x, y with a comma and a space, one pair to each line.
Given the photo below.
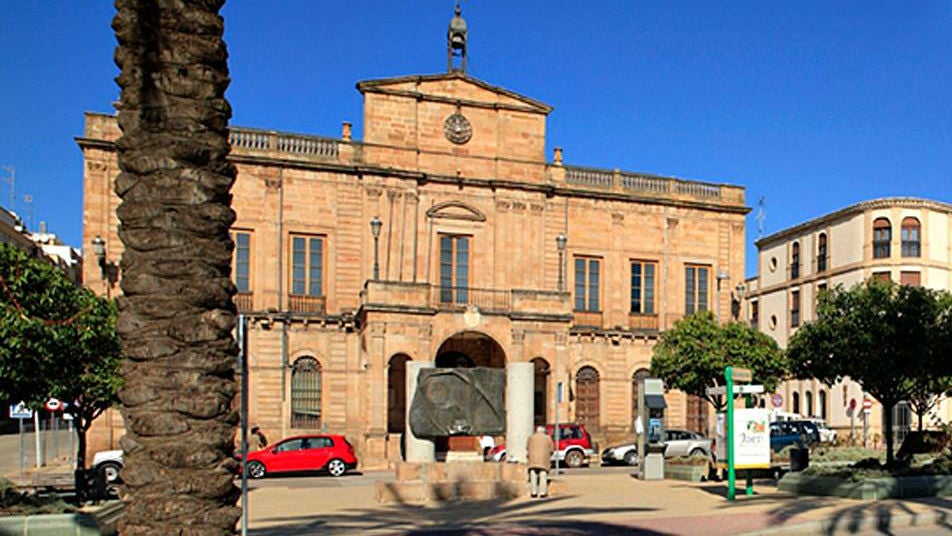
575, 446
827, 435
324, 452
626, 454
109, 463
786, 433
685, 443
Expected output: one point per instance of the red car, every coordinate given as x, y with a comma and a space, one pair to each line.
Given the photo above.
331, 453
574, 449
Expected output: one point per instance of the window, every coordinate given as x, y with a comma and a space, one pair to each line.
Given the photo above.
643, 287
696, 288
822, 403
821, 253
795, 308
808, 400
820, 289
306, 393
882, 235
291, 445
587, 284
307, 265
795, 402
241, 268
754, 314
882, 276
587, 397
454, 268
795, 260
911, 246
911, 279
397, 393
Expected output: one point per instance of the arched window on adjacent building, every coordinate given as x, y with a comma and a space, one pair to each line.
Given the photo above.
397, 393
911, 238
636, 378
795, 260
821, 252
822, 404
808, 402
795, 402
882, 236
306, 393
587, 397
541, 398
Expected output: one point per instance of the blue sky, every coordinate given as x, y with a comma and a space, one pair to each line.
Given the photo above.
811, 105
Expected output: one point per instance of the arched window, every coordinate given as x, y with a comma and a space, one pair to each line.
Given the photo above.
822, 403
821, 253
882, 236
636, 378
586, 397
397, 393
306, 393
795, 260
911, 240
795, 402
808, 402
541, 398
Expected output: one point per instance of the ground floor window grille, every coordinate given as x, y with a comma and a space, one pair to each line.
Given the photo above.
306, 393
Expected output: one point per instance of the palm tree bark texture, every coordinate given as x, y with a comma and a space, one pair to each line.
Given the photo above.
176, 313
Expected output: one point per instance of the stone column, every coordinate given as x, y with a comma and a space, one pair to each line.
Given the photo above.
417, 450
520, 379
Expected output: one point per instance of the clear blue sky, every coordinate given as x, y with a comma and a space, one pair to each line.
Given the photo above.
813, 105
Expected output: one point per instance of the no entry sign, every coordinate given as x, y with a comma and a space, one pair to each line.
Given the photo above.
776, 400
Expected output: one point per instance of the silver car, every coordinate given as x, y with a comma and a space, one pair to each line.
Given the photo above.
685, 443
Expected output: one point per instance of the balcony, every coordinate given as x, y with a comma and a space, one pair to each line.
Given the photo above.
245, 302
420, 297
307, 304
644, 322
643, 184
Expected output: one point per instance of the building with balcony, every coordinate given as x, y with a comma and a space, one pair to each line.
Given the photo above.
446, 235
905, 240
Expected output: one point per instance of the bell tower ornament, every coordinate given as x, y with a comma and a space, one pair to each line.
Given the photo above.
457, 128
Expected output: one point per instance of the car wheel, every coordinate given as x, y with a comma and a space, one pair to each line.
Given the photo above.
574, 458
256, 470
698, 452
631, 458
336, 467
110, 471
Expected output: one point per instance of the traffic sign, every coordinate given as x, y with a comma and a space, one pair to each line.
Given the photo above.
53, 405
20, 411
777, 400
867, 405
852, 403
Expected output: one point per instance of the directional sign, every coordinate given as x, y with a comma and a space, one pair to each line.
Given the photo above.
741, 374
738, 390
20, 411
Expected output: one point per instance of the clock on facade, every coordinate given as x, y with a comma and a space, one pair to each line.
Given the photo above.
457, 129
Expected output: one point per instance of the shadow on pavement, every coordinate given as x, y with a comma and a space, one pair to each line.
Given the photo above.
496, 516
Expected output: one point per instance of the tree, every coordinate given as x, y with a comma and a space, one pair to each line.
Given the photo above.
59, 342
693, 354
933, 380
176, 314
882, 335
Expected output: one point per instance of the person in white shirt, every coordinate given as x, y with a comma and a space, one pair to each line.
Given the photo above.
487, 443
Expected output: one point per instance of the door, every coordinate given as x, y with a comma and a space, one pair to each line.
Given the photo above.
319, 453
286, 455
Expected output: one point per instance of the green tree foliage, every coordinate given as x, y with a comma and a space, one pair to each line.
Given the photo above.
888, 338
693, 354
59, 341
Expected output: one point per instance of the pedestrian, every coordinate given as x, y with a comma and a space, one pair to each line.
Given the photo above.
540, 456
487, 443
258, 440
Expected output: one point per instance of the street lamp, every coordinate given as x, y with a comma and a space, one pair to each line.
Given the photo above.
99, 249
561, 241
375, 225
737, 302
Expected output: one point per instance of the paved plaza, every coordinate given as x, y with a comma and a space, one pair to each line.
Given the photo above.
599, 501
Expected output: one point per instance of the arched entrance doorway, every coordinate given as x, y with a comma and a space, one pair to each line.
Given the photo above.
397, 393
464, 350
587, 397
470, 349
541, 391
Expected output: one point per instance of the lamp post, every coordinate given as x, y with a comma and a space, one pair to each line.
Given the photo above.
375, 225
99, 250
561, 241
721, 276
736, 310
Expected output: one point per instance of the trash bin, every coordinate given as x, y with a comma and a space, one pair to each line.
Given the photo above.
90, 485
799, 459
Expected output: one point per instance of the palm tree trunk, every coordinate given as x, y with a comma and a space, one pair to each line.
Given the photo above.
176, 314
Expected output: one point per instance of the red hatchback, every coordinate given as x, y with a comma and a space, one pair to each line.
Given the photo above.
331, 453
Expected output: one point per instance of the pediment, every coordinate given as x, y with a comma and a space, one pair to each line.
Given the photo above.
453, 87
455, 210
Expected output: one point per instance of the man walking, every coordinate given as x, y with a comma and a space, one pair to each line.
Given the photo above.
540, 455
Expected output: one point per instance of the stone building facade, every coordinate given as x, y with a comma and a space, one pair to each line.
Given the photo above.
485, 253
905, 240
